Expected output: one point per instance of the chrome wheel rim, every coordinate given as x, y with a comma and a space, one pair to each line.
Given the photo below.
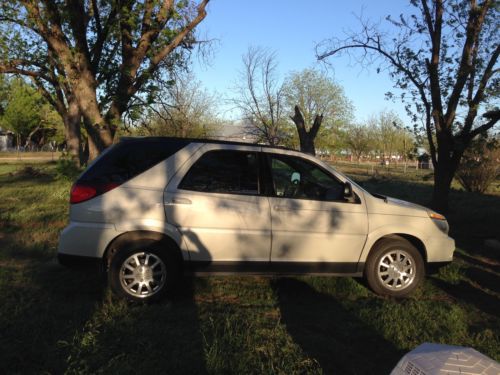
143, 274
396, 270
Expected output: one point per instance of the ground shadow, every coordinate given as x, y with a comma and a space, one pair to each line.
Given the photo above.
478, 262
147, 338
327, 332
484, 278
57, 320
465, 292
43, 307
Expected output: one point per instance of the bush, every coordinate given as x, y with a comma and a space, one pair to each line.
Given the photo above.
480, 164
66, 168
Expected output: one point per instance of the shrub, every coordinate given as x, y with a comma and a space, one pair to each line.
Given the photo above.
480, 164
66, 168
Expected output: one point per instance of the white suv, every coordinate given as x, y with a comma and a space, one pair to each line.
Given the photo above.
149, 209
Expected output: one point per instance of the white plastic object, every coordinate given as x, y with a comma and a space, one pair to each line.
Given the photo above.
437, 359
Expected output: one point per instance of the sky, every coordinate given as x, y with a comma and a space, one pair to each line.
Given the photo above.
292, 29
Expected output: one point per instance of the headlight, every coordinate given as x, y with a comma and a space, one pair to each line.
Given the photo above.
440, 221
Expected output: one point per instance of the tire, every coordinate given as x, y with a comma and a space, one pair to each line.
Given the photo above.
394, 267
143, 272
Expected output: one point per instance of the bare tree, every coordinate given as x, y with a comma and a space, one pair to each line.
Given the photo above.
260, 95
444, 58
183, 109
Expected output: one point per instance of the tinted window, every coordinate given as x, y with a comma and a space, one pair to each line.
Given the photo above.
130, 158
233, 172
294, 177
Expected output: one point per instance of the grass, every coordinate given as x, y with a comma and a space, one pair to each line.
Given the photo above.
54, 320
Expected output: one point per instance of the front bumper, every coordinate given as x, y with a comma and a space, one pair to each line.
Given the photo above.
440, 249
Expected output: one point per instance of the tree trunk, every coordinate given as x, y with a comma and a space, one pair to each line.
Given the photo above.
441, 190
307, 144
443, 176
72, 122
306, 138
99, 131
94, 141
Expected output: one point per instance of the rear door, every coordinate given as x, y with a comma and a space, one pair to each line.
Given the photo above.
216, 203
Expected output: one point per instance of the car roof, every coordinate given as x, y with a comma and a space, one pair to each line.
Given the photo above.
170, 140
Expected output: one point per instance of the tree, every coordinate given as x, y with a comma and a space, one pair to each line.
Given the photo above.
315, 99
183, 109
480, 165
358, 139
22, 111
27, 113
444, 59
91, 58
4, 88
260, 96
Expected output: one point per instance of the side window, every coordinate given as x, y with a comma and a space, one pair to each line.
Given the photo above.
294, 177
125, 160
225, 171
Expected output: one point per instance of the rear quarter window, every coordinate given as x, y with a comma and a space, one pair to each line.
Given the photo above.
128, 159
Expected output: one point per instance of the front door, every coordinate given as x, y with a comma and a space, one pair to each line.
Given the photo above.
311, 220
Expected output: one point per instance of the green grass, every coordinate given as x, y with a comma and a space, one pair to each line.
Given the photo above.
55, 320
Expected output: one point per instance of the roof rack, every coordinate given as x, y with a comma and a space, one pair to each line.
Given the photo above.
198, 140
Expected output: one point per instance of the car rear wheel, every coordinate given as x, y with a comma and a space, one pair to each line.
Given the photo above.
143, 273
394, 268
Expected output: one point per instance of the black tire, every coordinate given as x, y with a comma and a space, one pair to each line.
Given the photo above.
394, 267
155, 276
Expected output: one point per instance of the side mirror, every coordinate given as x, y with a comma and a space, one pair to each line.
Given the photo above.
348, 193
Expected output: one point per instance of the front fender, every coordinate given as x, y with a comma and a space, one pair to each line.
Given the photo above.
388, 230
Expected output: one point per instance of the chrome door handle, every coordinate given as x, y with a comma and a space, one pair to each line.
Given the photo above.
179, 201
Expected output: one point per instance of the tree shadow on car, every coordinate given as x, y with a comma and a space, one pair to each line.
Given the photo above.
327, 332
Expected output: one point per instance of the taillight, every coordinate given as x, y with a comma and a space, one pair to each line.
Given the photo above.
81, 192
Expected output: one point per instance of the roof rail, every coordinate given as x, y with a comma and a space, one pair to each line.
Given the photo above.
197, 140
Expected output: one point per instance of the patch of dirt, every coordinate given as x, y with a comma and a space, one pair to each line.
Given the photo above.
214, 298
28, 172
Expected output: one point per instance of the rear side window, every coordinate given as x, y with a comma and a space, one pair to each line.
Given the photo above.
128, 159
224, 171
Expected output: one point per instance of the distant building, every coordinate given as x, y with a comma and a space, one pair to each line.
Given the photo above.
424, 161
6, 140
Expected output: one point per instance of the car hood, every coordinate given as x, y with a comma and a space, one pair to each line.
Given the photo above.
380, 204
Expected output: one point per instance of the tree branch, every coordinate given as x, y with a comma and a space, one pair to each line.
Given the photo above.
493, 117
474, 25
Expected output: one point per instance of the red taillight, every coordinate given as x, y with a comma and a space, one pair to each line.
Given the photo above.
83, 192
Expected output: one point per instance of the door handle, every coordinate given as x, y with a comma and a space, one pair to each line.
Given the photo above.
280, 208
179, 201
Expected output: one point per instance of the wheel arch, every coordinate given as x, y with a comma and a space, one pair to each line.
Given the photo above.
141, 237
414, 240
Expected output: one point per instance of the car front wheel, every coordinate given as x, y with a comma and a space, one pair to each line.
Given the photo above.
394, 268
